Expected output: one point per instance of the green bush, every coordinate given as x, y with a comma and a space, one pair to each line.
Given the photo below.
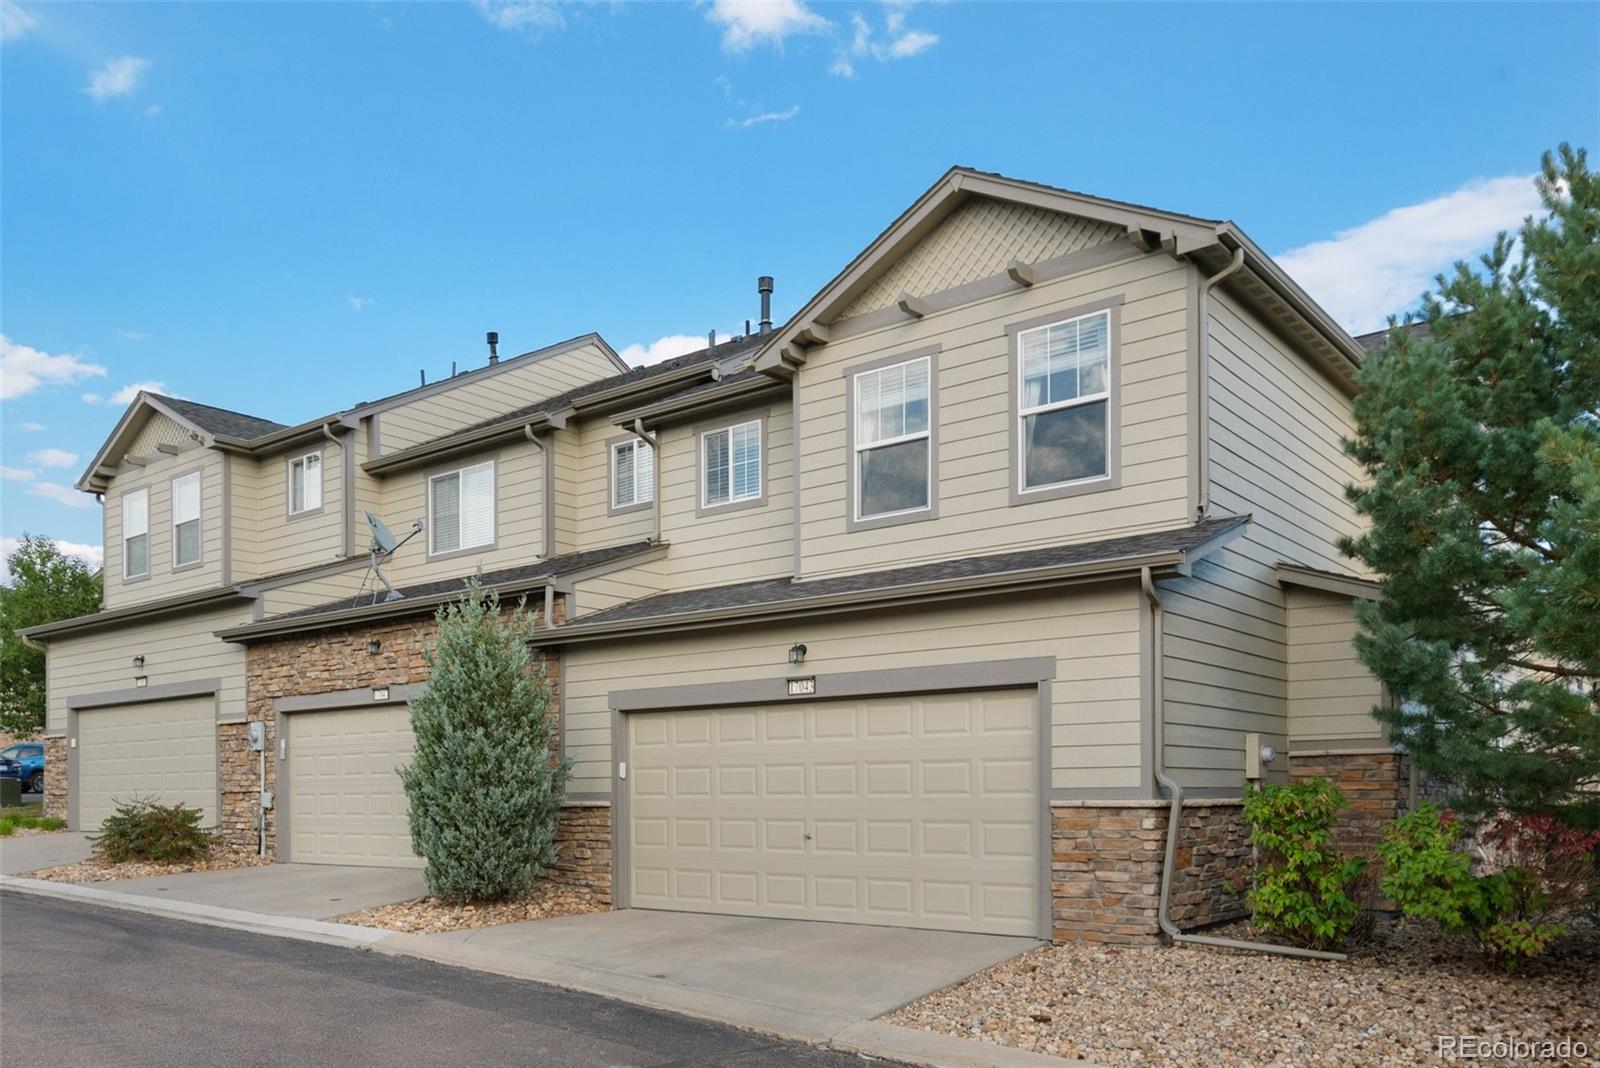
145, 830
11, 822
483, 789
1547, 872
1304, 890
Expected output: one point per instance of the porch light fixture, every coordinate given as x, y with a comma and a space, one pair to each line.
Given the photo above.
797, 654
138, 661
373, 645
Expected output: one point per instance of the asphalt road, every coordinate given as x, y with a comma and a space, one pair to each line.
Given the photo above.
89, 986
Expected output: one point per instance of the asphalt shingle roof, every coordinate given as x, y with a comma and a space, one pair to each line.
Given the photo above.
220, 420
782, 590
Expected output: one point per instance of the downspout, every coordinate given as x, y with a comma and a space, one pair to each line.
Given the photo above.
547, 517
1204, 444
1175, 812
638, 431
347, 498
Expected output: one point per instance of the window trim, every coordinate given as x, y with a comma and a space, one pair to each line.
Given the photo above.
1112, 479
172, 519
492, 463
288, 484
915, 515
701, 432
612, 507
122, 532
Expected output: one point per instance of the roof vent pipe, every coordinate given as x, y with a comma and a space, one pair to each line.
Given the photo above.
711, 339
494, 347
764, 284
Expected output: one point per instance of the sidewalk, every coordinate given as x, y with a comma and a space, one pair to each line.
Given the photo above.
864, 1036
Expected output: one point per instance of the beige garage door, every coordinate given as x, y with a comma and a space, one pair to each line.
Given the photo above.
910, 812
346, 805
164, 750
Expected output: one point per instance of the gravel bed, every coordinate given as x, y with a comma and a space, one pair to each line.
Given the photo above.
428, 915
99, 871
1191, 1006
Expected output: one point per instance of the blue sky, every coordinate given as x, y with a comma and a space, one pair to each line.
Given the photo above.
287, 208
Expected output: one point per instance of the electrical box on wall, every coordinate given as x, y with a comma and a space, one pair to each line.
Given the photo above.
258, 736
1252, 756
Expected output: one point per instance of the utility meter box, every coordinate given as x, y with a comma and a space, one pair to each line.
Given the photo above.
258, 736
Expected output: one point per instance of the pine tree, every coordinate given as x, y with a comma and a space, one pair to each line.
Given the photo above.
483, 789
1479, 429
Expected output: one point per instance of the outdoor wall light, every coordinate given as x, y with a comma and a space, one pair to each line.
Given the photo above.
138, 661
373, 646
797, 654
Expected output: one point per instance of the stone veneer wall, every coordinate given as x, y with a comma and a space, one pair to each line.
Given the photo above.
1377, 785
56, 755
1106, 868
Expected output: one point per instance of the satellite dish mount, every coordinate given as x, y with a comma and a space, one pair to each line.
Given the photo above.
382, 547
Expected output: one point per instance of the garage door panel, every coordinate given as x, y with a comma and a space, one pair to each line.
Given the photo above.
346, 802
907, 811
162, 750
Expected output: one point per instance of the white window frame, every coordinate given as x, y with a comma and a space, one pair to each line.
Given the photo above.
142, 492
859, 447
494, 511
643, 495
734, 497
198, 520
306, 508
1024, 411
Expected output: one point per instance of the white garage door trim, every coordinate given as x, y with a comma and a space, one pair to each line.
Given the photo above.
1035, 672
285, 711
135, 695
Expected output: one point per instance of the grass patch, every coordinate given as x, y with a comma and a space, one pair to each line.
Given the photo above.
12, 822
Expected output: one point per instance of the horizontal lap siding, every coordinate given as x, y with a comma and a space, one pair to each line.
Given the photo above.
1331, 693
316, 592
618, 587
473, 402
163, 581
582, 469
288, 544
245, 504
732, 546
975, 515
181, 649
1093, 632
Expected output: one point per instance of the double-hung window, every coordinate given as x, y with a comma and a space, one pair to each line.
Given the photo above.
633, 473
305, 483
893, 440
1064, 402
730, 464
461, 509
186, 520
136, 534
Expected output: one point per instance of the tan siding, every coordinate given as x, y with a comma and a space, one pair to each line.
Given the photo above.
618, 587
519, 521
246, 506
735, 545
327, 589
1331, 693
1093, 632
288, 543
157, 477
587, 455
158, 431
181, 649
472, 402
977, 241
975, 515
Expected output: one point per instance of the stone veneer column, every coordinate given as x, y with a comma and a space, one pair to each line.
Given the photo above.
56, 755
1376, 783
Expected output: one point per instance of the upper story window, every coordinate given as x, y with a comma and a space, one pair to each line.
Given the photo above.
136, 533
461, 509
633, 473
1065, 420
305, 483
893, 421
730, 464
186, 520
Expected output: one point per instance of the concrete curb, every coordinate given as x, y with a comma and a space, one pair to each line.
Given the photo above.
864, 1037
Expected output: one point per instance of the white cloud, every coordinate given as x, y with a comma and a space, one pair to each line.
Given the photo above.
664, 348
62, 495
32, 427
17, 474
521, 15
897, 42
53, 458
93, 398
92, 555
357, 303
746, 23
24, 369
1369, 272
118, 77
764, 117
15, 21
126, 394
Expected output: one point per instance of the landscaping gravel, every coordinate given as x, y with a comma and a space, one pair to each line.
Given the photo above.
100, 871
1193, 1006
427, 915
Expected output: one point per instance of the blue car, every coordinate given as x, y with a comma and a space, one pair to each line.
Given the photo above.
24, 761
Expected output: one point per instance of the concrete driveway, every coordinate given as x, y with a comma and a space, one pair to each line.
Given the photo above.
31, 852
787, 977
305, 891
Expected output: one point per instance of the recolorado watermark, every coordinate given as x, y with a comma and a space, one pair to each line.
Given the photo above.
1507, 1048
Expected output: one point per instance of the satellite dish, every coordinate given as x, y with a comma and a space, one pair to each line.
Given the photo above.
383, 546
